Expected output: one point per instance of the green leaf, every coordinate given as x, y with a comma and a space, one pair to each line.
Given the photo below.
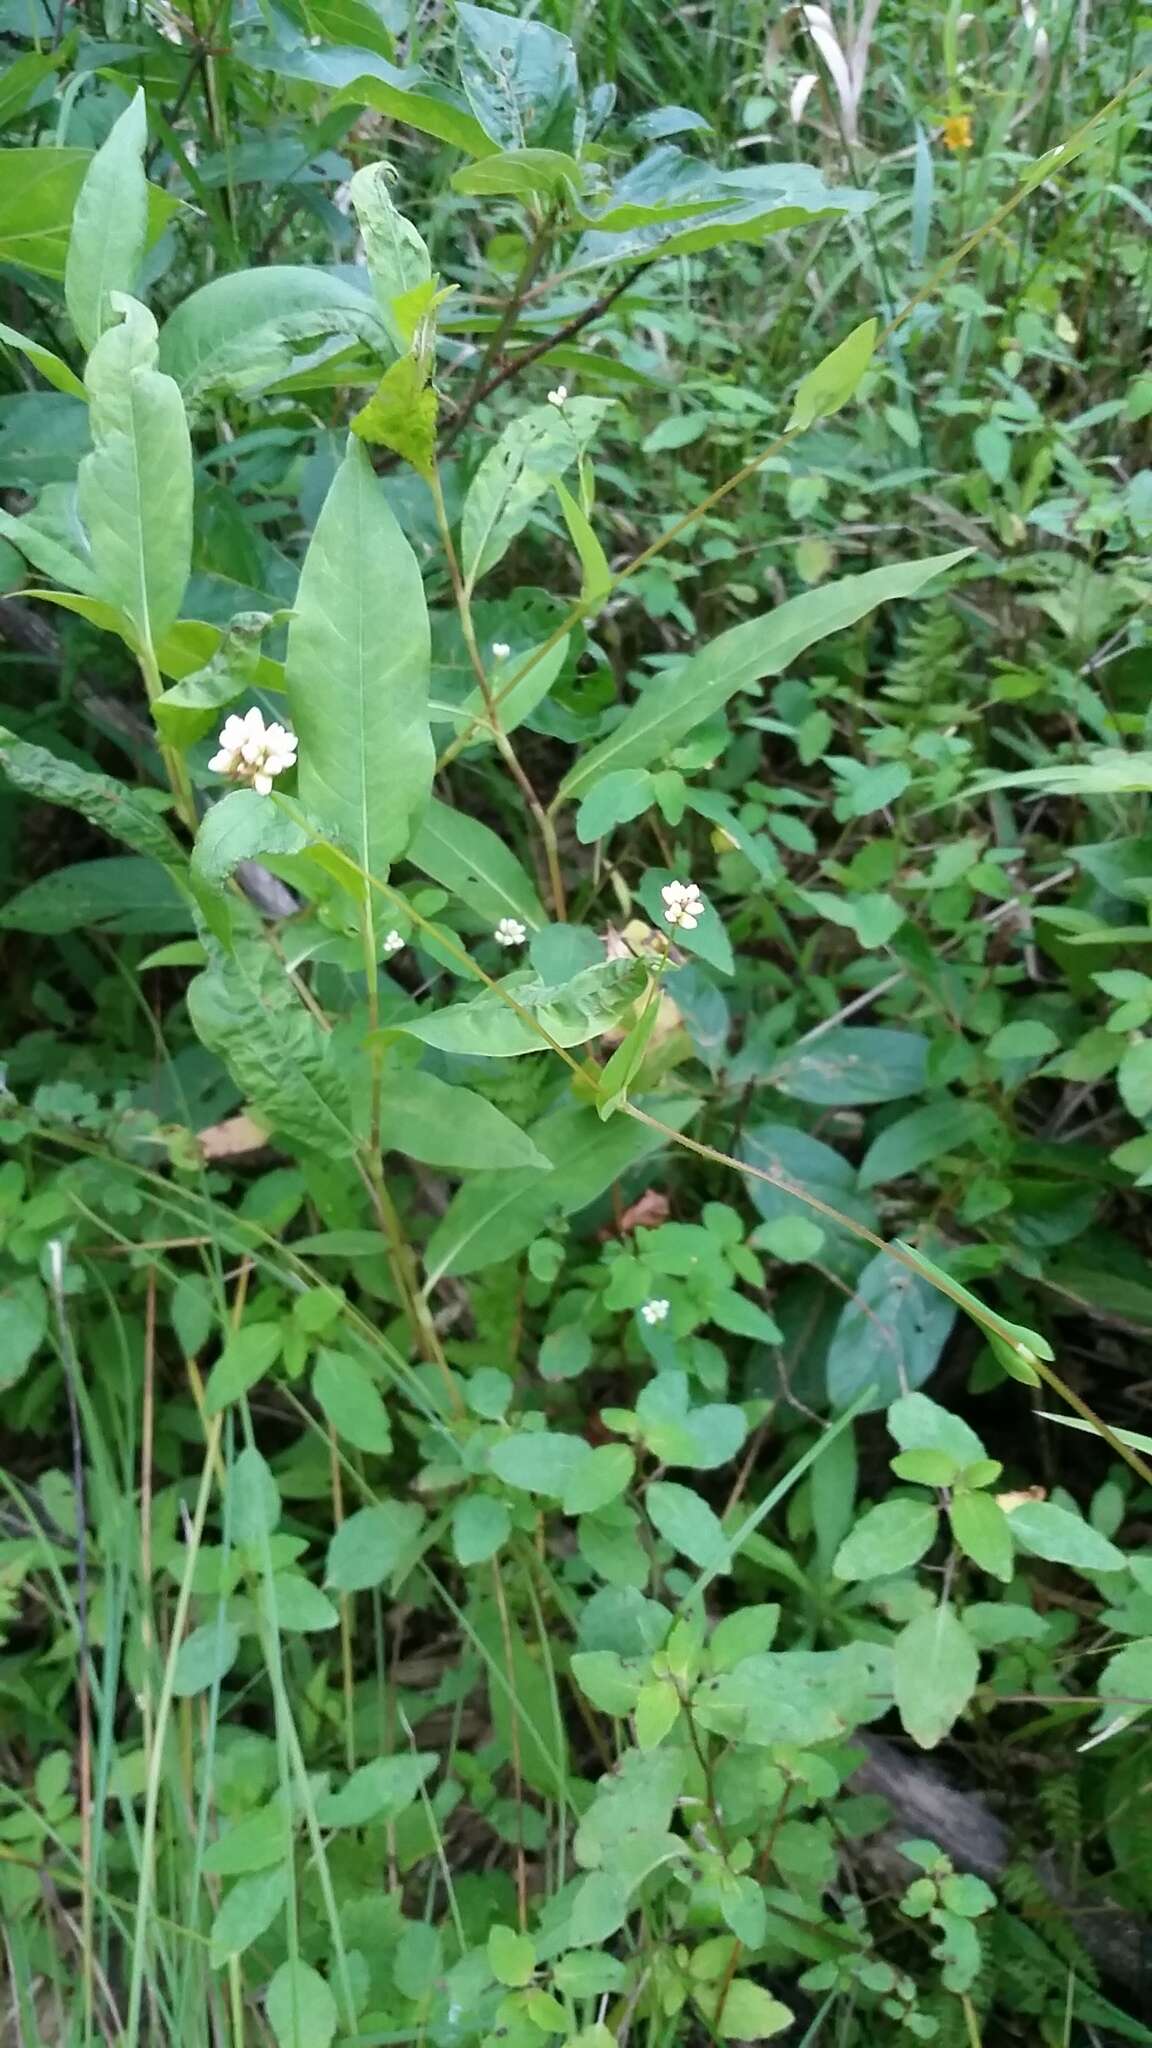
23, 1327
241, 826
511, 1956
534, 450
889, 1336
191, 706
605, 1679
1063, 1538
378, 1791
466, 857
357, 672
615, 801
115, 807
687, 1522
548, 174
294, 1606
494, 1216
853, 1064
109, 225
205, 1657
919, 1424
488, 1026
370, 1544
1134, 1078
401, 414
351, 1402
247, 1357
600, 1479
739, 659
888, 1539
519, 702
480, 1527
253, 1500
597, 578
520, 78
446, 1125
656, 1711
396, 254
1014, 1344
119, 894
49, 365
539, 1461
1025, 1039
982, 1530
617, 1076
254, 1843
134, 492
301, 2009
747, 1633
248, 1013
38, 192
834, 381
599, 1908
749, 2013
245, 331
247, 1912
935, 1669
945, 1126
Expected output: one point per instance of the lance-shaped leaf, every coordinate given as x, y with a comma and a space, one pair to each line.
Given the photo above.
357, 672
135, 489
109, 226
247, 1012
118, 810
524, 1015
466, 856
531, 453
398, 259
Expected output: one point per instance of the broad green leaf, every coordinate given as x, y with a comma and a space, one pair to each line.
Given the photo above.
853, 1064
115, 807
515, 704
982, 1530
888, 1539
489, 1026
535, 449
247, 1012
445, 1125
415, 99
749, 2012
1016, 1346
300, 2007
357, 672
889, 1336
599, 1479
24, 77
134, 491
673, 204
401, 414
246, 1913
253, 1500
920, 1424
367, 1547
520, 78
512, 1956
109, 225
23, 1327
245, 331
119, 894
521, 1698
746, 1633
38, 193
687, 1522
671, 707
935, 1669
378, 1791
599, 1908
466, 857
256, 1842
547, 174
480, 1526
351, 1401
205, 1657
241, 826
596, 579
191, 707
539, 1461
396, 253
1063, 1538
52, 558
49, 365
939, 1127
495, 1216
605, 1679
616, 800
795, 1695
834, 381
247, 1357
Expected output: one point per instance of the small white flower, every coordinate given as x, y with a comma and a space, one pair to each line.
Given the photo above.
559, 397
683, 905
251, 751
392, 944
510, 932
655, 1312
500, 650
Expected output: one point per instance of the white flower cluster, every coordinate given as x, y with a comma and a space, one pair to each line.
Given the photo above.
500, 650
510, 932
559, 397
655, 1312
251, 751
392, 944
683, 905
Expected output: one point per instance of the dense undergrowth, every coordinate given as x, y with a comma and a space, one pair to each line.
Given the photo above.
574, 1264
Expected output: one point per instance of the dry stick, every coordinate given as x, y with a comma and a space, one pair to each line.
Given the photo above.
71, 1367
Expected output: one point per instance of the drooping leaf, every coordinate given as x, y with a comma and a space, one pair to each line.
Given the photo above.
245, 331
109, 225
119, 894
134, 491
377, 1791
412, 97
489, 1026
38, 193
446, 1125
50, 365
740, 659
935, 1668
927, 1133
115, 807
749, 2012
23, 1327
520, 78
396, 252
249, 1014
357, 672
533, 451
465, 855
889, 1336
687, 1522
548, 174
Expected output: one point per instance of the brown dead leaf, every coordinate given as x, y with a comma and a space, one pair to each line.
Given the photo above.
237, 1137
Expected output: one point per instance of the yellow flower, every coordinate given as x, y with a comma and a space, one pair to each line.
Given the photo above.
957, 131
